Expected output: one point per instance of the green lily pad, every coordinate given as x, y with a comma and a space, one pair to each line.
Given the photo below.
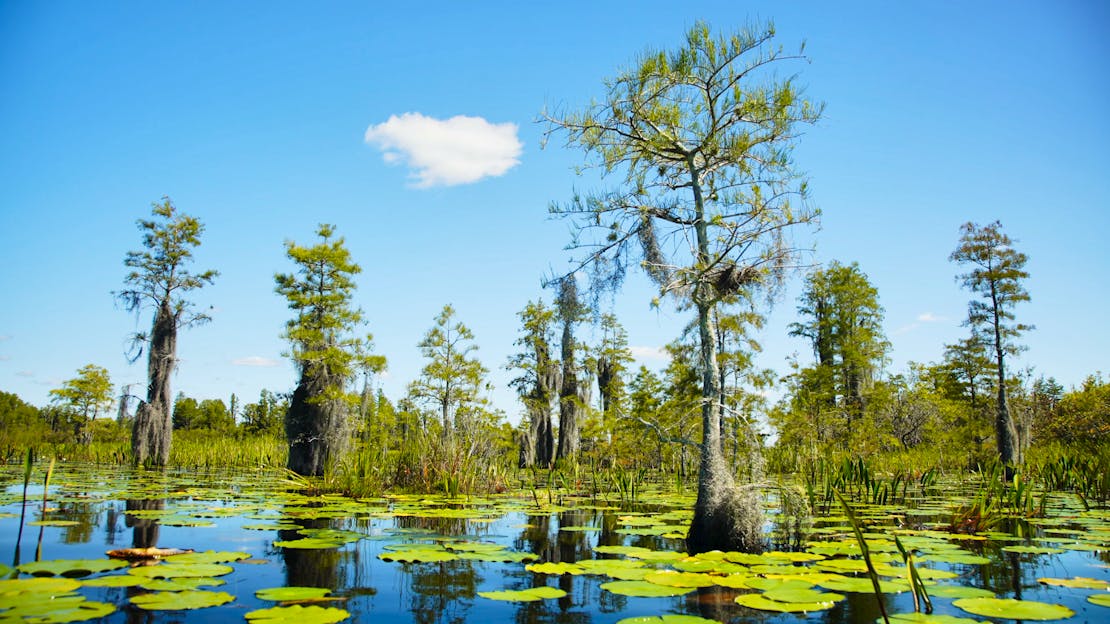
115, 580
58, 610
287, 594
670, 578
182, 570
71, 567
763, 603
862, 585
418, 556
524, 595
181, 600
1033, 550
922, 618
1102, 600
310, 543
180, 584
670, 618
766, 584
1009, 608
789, 594
208, 556
555, 568
643, 589
297, 614
959, 591
39, 586
1078, 582
53, 523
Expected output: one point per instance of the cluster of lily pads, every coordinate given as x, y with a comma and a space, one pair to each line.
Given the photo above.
815, 578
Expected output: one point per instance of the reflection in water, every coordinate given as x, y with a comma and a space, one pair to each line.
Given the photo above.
310, 567
144, 530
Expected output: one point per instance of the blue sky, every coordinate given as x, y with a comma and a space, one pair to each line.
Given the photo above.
264, 119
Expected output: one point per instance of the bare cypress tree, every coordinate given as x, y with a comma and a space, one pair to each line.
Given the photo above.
325, 349
159, 279
699, 140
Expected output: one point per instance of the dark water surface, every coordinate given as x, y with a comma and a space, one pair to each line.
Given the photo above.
230, 508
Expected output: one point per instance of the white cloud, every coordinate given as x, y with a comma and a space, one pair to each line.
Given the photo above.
255, 360
24, 373
658, 354
5, 337
929, 317
459, 150
5, 358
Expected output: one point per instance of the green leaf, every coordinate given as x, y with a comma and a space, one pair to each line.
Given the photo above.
297, 614
763, 603
71, 567
1102, 600
555, 568
287, 594
181, 600
182, 570
670, 578
922, 618
1078, 582
791, 594
116, 580
643, 589
58, 610
1009, 608
209, 556
180, 584
670, 618
959, 591
310, 543
525, 595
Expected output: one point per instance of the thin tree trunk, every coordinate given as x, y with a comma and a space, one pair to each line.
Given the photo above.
1004, 425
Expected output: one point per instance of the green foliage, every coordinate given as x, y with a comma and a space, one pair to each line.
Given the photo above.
88, 393
264, 417
536, 381
1083, 415
159, 276
452, 379
321, 334
209, 415
842, 319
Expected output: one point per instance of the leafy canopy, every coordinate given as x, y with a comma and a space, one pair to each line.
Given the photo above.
159, 276
320, 292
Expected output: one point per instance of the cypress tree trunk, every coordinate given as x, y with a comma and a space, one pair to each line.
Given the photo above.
317, 428
568, 398
725, 517
152, 433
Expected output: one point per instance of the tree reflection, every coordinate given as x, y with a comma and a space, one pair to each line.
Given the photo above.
144, 530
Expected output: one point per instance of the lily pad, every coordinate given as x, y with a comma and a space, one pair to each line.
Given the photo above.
180, 584
763, 603
670, 578
208, 556
524, 595
182, 570
70, 567
115, 580
643, 589
670, 618
418, 556
555, 568
959, 591
181, 600
1102, 600
789, 594
922, 618
59, 610
287, 594
297, 614
1078, 582
310, 543
1009, 608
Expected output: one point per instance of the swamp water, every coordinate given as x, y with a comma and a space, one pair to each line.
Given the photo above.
508, 558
